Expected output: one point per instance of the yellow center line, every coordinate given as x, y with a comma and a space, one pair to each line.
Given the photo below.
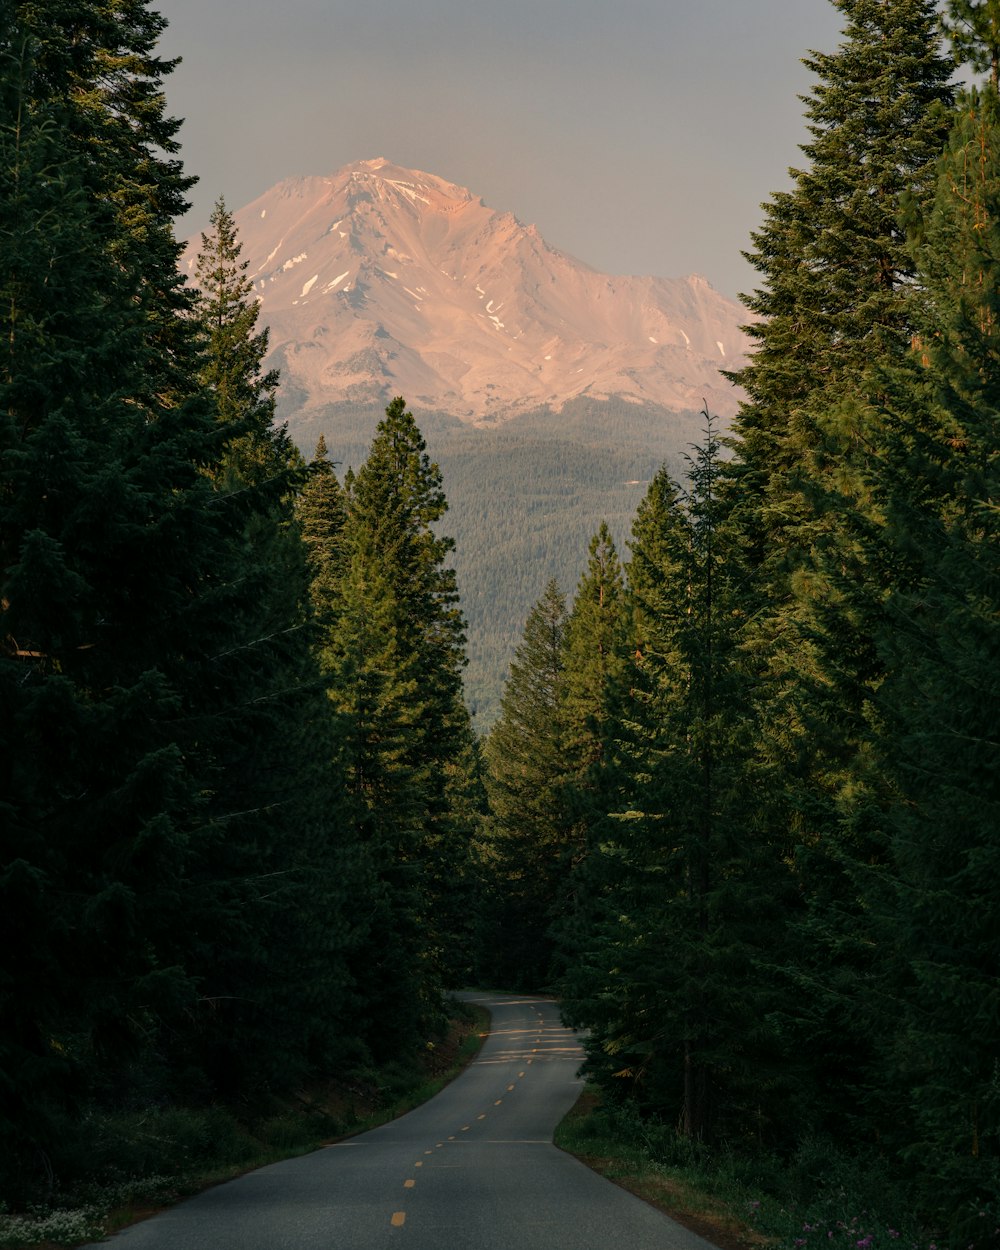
481, 1117
520, 1074
408, 1184
452, 1137
398, 1219
430, 1152
466, 1127
420, 1163
510, 1087
500, 1100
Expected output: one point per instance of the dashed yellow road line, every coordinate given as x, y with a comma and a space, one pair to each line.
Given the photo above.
500, 1100
409, 1184
481, 1117
398, 1219
466, 1127
420, 1163
510, 1087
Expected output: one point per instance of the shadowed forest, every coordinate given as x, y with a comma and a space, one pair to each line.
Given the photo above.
739, 807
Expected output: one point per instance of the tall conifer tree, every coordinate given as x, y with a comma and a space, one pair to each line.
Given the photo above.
109, 552
838, 292
132, 675
681, 889
287, 858
528, 842
937, 478
593, 696
394, 659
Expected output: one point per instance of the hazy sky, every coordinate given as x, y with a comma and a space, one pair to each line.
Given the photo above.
639, 135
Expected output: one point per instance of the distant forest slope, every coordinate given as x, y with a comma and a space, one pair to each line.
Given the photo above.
524, 499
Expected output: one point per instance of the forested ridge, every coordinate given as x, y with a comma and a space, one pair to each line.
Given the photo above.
739, 807
522, 500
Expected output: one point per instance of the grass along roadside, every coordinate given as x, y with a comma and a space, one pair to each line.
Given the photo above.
818, 1199
603, 1143
168, 1154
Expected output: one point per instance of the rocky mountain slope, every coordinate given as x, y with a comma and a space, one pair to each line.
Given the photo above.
380, 281
548, 393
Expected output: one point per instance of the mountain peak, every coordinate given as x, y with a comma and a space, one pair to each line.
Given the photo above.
380, 280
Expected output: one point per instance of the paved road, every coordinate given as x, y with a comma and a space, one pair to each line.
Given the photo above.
473, 1169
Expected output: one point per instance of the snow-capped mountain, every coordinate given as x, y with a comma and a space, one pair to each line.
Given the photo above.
380, 281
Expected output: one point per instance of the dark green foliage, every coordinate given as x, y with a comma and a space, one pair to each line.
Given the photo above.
527, 849
684, 899
836, 272
593, 698
522, 499
285, 865
937, 479
838, 293
245, 396
974, 29
166, 875
392, 649
98, 495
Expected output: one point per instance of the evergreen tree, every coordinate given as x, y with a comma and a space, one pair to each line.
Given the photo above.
234, 357
394, 658
839, 292
287, 859
937, 477
105, 532
140, 697
837, 273
686, 899
593, 666
527, 844
974, 29
592, 701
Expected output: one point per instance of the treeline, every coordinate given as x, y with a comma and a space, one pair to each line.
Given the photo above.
522, 501
745, 792
741, 802
236, 773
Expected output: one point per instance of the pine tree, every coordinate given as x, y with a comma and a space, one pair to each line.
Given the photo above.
974, 29
839, 292
837, 274
394, 656
592, 698
138, 692
321, 514
235, 349
687, 898
527, 845
937, 477
288, 858
103, 534
594, 663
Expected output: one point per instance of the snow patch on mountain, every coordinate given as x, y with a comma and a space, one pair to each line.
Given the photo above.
463, 308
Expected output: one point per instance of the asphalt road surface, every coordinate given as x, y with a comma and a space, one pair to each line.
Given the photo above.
473, 1169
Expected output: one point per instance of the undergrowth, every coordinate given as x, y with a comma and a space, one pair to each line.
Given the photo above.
820, 1197
126, 1165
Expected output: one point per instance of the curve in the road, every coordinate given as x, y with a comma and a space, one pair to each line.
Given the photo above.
473, 1168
